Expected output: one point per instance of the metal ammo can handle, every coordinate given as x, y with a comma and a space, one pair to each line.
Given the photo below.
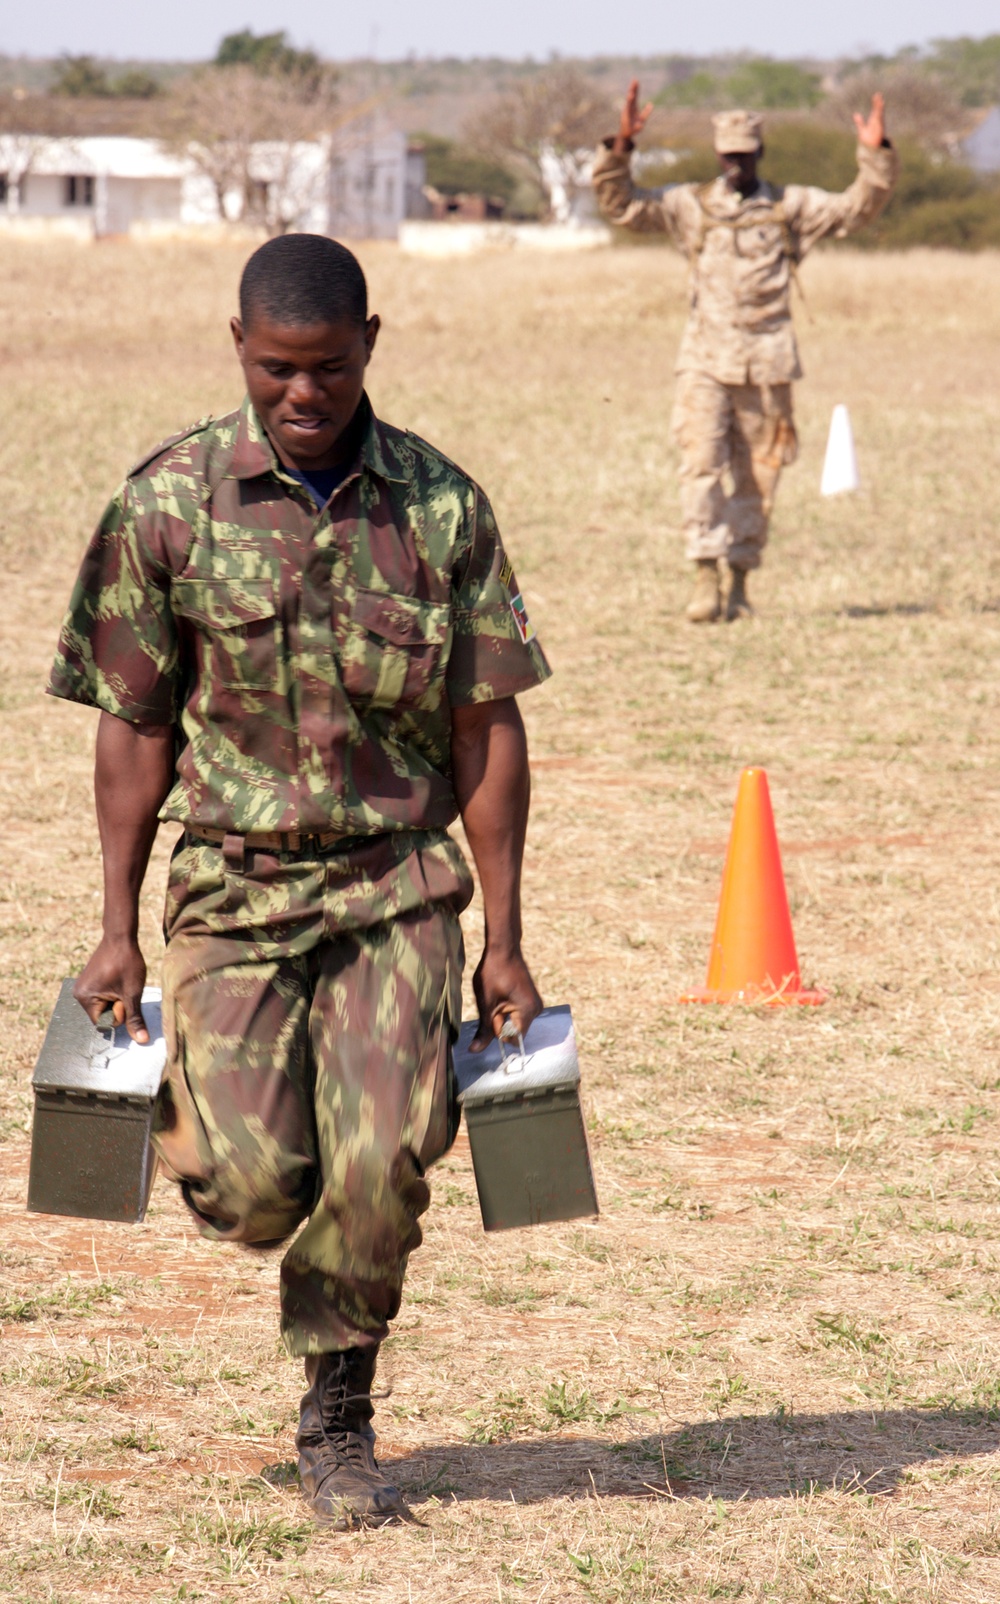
510, 1032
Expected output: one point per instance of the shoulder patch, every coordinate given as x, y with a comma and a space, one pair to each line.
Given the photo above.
167, 445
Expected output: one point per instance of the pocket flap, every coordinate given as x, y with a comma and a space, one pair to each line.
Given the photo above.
223, 603
402, 620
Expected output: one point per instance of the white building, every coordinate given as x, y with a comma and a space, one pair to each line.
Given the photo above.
981, 148
370, 168
351, 185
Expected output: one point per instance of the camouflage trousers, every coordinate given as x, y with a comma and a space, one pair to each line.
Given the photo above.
748, 430
310, 1006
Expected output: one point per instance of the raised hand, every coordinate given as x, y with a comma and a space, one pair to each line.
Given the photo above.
633, 121
871, 129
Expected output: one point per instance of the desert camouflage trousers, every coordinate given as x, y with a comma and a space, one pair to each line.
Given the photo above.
310, 1007
748, 430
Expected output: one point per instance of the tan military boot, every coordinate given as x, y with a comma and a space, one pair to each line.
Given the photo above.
738, 603
705, 605
338, 1471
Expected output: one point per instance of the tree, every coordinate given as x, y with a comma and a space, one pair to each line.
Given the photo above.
918, 106
18, 154
968, 68
241, 130
270, 55
28, 127
559, 111
81, 76
771, 85
454, 169
697, 89
135, 84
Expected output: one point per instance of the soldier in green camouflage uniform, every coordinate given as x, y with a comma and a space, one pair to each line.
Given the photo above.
305, 638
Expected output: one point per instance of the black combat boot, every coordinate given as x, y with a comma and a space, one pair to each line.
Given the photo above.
738, 605
337, 1465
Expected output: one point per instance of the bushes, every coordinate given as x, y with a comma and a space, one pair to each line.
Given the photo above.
769, 85
758, 82
968, 224
969, 67
937, 203
456, 170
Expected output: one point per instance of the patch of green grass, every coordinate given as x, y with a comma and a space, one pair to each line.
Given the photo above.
142, 1439
89, 1378
450, 1196
499, 1421
502, 1296
843, 1331
96, 1498
722, 1393
241, 1539
60, 1302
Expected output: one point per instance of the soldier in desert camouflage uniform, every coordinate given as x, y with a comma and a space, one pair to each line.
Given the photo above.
738, 357
305, 639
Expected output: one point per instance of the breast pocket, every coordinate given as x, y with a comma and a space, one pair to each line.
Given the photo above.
393, 650
760, 240
238, 625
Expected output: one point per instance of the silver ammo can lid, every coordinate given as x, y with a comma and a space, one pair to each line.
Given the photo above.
502, 1072
79, 1058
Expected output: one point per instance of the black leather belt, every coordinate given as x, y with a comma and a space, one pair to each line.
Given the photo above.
235, 846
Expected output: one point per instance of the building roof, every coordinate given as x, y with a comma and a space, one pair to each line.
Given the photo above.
117, 156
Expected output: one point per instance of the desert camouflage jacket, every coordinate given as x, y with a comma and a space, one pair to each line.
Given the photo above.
308, 659
742, 254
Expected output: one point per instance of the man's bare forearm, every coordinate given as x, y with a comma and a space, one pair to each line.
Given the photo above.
489, 753
133, 772
492, 786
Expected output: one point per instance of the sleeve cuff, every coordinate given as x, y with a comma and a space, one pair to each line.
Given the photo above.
103, 702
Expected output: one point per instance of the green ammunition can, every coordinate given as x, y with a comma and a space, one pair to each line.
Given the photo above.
94, 1096
522, 1110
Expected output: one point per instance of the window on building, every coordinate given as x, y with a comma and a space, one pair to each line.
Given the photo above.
79, 190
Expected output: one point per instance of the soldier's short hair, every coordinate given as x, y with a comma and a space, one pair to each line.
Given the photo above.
303, 279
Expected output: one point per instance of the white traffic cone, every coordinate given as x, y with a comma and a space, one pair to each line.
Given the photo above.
840, 465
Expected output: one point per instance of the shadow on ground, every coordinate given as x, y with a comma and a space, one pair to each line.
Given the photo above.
748, 1456
895, 610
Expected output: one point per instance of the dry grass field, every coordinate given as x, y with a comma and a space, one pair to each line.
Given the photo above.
771, 1370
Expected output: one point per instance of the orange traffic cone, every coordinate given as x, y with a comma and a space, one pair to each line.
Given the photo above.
753, 957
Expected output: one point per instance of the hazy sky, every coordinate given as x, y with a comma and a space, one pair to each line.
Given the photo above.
190, 29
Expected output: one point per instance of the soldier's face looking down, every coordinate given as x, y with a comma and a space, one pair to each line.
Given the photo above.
739, 169
305, 383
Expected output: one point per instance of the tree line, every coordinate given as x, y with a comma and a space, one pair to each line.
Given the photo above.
261, 89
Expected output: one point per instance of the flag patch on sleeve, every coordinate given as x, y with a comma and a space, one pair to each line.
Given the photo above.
525, 628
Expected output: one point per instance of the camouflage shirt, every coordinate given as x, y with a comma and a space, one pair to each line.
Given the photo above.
742, 252
309, 659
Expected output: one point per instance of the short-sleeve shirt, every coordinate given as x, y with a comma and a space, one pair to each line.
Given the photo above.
308, 658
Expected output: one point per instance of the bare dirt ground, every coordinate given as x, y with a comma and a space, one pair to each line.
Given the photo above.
770, 1370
